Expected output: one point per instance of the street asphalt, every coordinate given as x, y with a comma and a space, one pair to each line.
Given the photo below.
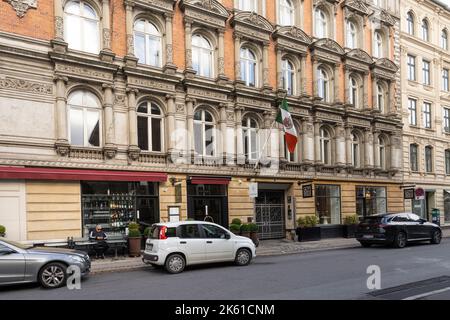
333, 274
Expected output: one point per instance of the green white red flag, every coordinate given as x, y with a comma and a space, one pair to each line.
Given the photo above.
290, 134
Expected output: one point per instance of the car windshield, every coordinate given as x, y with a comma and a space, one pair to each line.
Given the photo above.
17, 244
372, 220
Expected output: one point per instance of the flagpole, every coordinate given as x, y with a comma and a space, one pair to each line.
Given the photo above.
265, 144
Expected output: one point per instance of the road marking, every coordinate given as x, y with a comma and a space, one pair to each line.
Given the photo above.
426, 294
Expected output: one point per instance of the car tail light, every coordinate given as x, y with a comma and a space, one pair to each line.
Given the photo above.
162, 233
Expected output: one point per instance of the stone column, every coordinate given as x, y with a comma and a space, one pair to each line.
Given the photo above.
133, 149
337, 83
237, 57
240, 157
340, 145
308, 141
376, 154
110, 148
222, 138
190, 126
303, 79
62, 141
268, 129
265, 63
281, 149
169, 67
188, 44
58, 43
317, 156
221, 53
171, 138
365, 97
348, 145
279, 69
130, 58
368, 149
106, 54
391, 100
346, 85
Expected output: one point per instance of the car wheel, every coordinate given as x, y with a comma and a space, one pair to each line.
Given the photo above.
365, 244
53, 275
436, 237
400, 240
175, 263
243, 257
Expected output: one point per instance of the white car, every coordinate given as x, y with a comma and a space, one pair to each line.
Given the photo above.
175, 245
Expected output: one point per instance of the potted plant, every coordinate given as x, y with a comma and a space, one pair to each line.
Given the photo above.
2, 231
245, 230
146, 232
134, 240
236, 221
253, 227
350, 225
235, 228
307, 229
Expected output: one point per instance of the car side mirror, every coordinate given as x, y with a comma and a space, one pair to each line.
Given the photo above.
227, 236
422, 221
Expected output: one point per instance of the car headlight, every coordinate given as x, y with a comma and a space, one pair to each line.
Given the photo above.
77, 259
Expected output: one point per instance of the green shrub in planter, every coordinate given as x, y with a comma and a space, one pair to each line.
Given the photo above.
134, 233
133, 226
245, 227
350, 225
353, 219
147, 232
307, 230
134, 242
311, 221
253, 227
2, 231
236, 221
235, 228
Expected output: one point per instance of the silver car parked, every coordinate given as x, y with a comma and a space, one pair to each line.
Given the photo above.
24, 263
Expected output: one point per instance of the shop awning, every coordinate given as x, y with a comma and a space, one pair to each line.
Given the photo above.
209, 180
37, 173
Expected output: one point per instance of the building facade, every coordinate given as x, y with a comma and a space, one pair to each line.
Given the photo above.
113, 111
426, 100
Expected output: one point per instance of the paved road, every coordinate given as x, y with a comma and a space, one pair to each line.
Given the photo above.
334, 274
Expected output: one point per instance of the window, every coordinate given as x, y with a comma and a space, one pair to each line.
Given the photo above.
426, 72
202, 56
213, 232
323, 84
426, 115
150, 127
370, 200
248, 67
380, 98
445, 86
320, 23
204, 133
328, 204
447, 161
377, 45
444, 39
411, 68
147, 43
351, 35
288, 76
287, 17
410, 23
84, 119
425, 30
251, 138
412, 107
382, 152
353, 92
356, 153
325, 146
81, 27
413, 159
428, 159
189, 231
248, 5
290, 157
446, 206
446, 116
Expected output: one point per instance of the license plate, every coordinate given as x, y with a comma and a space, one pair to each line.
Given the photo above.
149, 247
367, 236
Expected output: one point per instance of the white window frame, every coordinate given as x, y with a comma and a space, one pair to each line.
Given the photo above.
320, 19
410, 23
353, 91
445, 80
351, 35
378, 44
248, 5
411, 67
412, 108
247, 132
286, 13
199, 51
288, 73
425, 30
444, 39
203, 123
426, 113
356, 150
323, 84
246, 60
382, 152
426, 72
148, 36
325, 146
446, 119
149, 116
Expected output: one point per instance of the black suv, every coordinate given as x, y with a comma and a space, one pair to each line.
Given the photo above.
396, 229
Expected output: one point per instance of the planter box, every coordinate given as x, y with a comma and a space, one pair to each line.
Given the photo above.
308, 234
349, 230
134, 247
332, 231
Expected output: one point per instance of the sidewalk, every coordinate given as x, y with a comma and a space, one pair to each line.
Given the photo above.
266, 248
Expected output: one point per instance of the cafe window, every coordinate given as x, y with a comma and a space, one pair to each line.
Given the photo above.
328, 204
370, 200
113, 205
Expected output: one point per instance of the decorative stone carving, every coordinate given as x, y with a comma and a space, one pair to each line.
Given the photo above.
207, 12
106, 38
230, 116
62, 148
21, 6
130, 44
329, 44
357, 6
110, 151
59, 27
119, 100
252, 25
150, 84
180, 108
360, 55
83, 72
26, 86
206, 94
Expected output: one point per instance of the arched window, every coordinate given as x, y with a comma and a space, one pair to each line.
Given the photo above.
351, 35
202, 56
382, 152
413, 157
84, 119
147, 43
425, 30
381, 97
444, 39
429, 159
323, 84
377, 45
325, 146
356, 150
204, 133
353, 92
287, 10
248, 5
81, 27
288, 76
410, 22
320, 23
250, 132
248, 67
150, 126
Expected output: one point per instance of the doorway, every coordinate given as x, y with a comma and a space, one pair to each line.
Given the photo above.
208, 203
269, 214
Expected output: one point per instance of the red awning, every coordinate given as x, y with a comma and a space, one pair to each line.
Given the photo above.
210, 180
37, 173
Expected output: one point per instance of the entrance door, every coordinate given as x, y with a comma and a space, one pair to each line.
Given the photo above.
270, 210
211, 207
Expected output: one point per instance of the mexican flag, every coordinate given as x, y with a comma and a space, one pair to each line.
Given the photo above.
290, 134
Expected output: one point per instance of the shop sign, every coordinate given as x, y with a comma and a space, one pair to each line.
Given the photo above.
307, 191
253, 189
174, 214
408, 193
420, 194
